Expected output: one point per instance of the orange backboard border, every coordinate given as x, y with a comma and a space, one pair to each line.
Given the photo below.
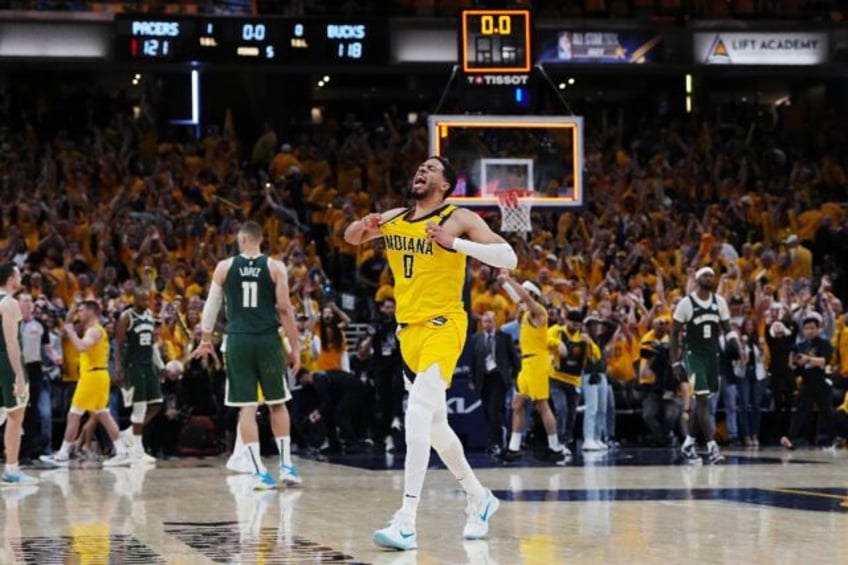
436, 124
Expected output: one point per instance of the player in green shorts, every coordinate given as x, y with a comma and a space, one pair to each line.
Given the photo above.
255, 291
14, 389
134, 363
699, 319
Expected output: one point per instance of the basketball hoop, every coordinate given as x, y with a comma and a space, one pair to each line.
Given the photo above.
515, 206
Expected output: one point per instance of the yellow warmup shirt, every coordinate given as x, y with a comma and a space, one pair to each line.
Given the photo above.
428, 278
96, 357
533, 340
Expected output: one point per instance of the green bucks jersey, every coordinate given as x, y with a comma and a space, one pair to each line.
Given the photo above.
249, 294
702, 322
138, 347
3, 296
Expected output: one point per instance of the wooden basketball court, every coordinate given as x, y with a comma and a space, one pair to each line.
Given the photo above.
628, 506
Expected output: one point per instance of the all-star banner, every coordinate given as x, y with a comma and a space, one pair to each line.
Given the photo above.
760, 48
598, 46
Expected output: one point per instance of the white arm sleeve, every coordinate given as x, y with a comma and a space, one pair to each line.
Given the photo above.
511, 292
499, 255
211, 308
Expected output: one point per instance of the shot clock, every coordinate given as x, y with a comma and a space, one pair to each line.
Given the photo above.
496, 41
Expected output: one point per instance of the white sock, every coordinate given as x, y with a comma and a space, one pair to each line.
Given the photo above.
450, 450
65, 450
514, 442
553, 442
120, 449
409, 508
284, 445
138, 445
418, 424
11, 468
414, 469
688, 441
255, 458
239, 444
712, 445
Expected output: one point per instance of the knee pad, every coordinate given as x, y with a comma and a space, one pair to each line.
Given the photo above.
138, 412
425, 397
428, 390
76, 411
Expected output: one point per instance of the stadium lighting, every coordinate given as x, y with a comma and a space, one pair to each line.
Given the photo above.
326, 78
688, 84
137, 76
571, 81
320, 83
562, 86
195, 97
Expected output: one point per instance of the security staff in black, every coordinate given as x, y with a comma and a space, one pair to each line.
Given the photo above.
809, 360
699, 319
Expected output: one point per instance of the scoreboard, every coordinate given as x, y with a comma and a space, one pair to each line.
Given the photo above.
496, 41
267, 40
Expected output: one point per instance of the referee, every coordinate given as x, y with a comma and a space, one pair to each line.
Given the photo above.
34, 339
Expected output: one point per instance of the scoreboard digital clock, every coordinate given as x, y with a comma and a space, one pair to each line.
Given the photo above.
320, 42
496, 41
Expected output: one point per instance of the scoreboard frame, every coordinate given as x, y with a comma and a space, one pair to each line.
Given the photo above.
500, 24
284, 41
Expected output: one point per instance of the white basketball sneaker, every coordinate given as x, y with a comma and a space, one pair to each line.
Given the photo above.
126, 438
289, 477
118, 460
55, 459
239, 462
399, 533
478, 513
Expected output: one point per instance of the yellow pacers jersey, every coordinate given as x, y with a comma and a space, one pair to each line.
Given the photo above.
533, 341
428, 277
96, 358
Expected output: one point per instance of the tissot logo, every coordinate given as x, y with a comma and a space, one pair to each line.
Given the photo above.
498, 80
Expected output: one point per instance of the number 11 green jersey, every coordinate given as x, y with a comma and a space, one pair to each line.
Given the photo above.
250, 297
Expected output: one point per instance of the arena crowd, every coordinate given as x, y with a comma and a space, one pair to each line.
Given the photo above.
98, 202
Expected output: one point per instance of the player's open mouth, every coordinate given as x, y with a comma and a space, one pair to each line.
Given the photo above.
419, 180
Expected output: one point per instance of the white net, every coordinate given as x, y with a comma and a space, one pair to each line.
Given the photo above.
515, 211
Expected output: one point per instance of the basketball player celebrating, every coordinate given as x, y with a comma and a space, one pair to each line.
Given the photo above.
134, 356
255, 290
695, 356
533, 380
426, 251
92, 392
14, 391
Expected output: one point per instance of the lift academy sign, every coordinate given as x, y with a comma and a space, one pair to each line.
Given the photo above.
760, 48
